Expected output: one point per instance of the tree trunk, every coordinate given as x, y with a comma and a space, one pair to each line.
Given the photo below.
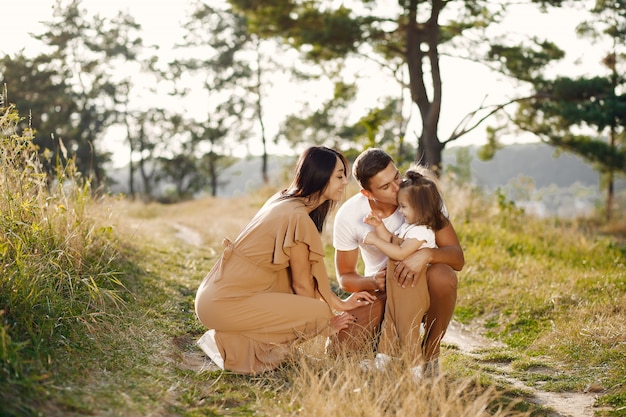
610, 180
259, 113
422, 47
131, 167
131, 180
213, 174
610, 192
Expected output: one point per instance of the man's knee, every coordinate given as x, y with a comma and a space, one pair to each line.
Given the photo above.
442, 280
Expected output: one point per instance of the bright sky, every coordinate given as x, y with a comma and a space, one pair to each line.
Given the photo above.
465, 85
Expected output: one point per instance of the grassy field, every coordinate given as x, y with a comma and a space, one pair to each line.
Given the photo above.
97, 317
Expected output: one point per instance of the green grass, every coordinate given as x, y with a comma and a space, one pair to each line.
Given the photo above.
554, 291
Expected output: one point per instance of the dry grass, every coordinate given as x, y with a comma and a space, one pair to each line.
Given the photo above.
318, 385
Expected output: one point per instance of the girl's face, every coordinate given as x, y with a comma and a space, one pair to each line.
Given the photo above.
336, 184
409, 213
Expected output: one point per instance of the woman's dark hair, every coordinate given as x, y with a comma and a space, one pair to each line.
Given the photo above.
313, 171
425, 198
369, 163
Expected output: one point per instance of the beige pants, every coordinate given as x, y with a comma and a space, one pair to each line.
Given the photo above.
404, 312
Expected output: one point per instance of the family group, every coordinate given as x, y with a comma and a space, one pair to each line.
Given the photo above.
270, 289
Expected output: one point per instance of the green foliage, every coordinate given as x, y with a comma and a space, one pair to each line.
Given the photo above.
59, 268
525, 63
407, 38
72, 90
583, 115
564, 104
330, 34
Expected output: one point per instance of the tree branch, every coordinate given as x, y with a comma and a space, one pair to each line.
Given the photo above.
464, 127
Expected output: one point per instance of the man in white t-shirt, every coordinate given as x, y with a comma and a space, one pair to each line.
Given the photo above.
379, 179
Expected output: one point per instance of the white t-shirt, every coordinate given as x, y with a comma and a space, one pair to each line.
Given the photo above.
418, 232
349, 230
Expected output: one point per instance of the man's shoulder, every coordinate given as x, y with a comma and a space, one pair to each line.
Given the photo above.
356, 201
351, 213
356, 205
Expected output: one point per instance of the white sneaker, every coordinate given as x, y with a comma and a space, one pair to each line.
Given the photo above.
381, 361
366, 364
208, 345
416, 373
428, 371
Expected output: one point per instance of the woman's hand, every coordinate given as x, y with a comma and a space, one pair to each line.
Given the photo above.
340, 322
357, 299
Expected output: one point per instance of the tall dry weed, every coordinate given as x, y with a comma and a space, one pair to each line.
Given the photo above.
59, 267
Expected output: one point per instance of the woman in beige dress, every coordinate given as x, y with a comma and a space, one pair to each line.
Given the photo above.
269, 289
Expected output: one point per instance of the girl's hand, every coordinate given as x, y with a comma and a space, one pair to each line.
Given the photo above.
358, 299
373, 219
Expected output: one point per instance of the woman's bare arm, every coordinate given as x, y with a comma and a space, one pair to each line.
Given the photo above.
302, 280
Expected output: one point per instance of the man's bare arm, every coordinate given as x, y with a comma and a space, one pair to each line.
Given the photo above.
348, 277
448, 252
449, 249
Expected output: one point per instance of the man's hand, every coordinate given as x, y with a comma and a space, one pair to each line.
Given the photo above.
409, 270
380, 279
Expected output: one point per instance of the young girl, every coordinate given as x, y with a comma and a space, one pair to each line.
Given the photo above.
421, 205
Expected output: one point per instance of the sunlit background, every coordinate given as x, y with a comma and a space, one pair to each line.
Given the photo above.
466, 84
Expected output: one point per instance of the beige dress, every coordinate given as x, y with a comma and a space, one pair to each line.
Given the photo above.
247, 296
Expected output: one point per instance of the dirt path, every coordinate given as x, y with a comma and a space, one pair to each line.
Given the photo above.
564, 404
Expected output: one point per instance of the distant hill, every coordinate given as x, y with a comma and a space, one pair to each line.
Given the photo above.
245, 175
563, 184
535, 160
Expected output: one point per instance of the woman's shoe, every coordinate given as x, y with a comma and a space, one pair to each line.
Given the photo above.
209, 346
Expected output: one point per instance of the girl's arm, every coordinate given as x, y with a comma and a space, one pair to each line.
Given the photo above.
376, 222
393, 251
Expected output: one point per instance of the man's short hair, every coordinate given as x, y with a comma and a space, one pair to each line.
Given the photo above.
369, 163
